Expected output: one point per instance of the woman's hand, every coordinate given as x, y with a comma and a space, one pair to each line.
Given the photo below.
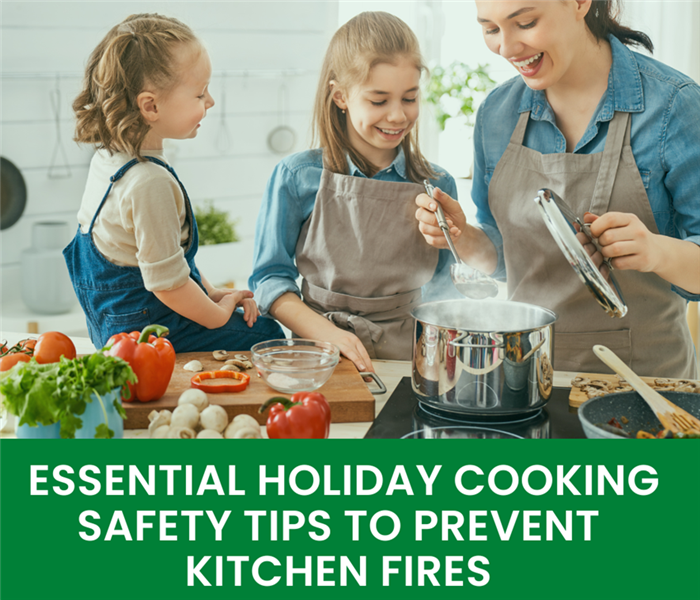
351, 347
625, 240
244, 299
427, 219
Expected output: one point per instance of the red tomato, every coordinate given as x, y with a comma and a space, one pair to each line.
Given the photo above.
10, 360
51, 346
28, 344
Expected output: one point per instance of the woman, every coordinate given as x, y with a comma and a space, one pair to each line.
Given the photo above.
615, 134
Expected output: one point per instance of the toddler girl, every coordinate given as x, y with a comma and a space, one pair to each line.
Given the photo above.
132, 261
342, 215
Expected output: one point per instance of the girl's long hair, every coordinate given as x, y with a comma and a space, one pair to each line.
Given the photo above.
369, 39
603, 20
136, 53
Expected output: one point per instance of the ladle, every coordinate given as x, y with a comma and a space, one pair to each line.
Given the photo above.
468, 281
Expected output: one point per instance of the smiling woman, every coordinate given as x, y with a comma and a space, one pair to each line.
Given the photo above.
606, 129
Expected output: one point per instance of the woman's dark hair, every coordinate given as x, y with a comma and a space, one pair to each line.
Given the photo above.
602, 20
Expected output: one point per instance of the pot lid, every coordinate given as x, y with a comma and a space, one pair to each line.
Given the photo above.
559, 219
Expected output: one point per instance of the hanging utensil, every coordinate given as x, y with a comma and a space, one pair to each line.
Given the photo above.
223, 137
282, 138
58, 170
469, 282
559, 218
671, 417
13, 193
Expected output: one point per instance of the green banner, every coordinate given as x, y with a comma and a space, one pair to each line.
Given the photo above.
487, 519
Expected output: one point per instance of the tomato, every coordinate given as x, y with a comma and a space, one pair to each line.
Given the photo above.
28, 344
51, 346
10, 360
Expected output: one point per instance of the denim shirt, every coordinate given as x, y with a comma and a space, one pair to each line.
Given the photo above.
665, 138
288, 201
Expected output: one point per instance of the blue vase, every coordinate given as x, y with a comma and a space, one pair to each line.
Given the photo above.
39, 432
94, 415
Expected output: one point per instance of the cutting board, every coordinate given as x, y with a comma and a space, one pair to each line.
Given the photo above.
577, 396
346, 392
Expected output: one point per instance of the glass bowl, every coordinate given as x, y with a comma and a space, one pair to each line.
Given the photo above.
295, 365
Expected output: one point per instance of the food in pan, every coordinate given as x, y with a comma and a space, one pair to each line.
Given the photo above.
601, 387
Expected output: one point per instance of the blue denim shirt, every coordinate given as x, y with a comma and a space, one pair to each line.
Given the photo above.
288, 201
665, 137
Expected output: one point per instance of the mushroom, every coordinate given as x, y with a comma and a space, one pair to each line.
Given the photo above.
220, 354
195, 397
214, 417
185, 415
181, 433
194, 366
209, 434
161, 432
228, 367
239, 423
158, 419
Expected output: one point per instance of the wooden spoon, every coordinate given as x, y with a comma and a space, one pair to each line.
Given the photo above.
672, 417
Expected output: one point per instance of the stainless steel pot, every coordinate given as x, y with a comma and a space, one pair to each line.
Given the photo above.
483, 357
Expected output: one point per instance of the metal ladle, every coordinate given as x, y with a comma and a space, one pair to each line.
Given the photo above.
469, 282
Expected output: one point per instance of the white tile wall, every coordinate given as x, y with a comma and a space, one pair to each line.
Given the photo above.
51, 41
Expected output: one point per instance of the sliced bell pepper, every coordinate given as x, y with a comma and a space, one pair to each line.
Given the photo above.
243, 379
306, 415
151, 357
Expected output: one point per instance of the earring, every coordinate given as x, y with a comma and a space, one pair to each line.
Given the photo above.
343, 111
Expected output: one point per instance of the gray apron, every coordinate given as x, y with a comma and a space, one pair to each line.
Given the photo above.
363, 260
653, 338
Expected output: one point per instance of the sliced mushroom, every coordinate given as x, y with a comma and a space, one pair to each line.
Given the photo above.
241, 364
228, 367
220, 354
185, 415
194, 365
214, 417
197, 398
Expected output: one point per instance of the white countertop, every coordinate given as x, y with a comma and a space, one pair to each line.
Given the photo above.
389, 371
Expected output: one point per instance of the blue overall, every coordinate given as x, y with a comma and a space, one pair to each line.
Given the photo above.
114, 298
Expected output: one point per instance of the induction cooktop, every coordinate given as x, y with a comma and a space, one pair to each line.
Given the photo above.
403, 416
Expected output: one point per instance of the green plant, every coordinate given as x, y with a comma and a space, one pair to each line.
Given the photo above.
215, 226
453, 89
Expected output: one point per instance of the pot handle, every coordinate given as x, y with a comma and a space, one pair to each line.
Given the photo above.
455, 342
379, 382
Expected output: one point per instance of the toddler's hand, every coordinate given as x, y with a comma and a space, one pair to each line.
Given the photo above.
217, 294
244, 299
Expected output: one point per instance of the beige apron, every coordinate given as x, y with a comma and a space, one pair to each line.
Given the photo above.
363, 260
653, 338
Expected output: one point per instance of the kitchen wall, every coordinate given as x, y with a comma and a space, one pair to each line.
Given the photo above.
257, 49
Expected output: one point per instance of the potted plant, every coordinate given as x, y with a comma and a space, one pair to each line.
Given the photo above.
79, 397
454, 92
217, 236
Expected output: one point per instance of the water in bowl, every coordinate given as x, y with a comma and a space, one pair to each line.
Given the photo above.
293, 371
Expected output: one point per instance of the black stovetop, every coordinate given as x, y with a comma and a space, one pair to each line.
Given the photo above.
403, 415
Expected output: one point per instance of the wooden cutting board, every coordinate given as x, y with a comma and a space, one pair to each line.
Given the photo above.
346, 392
577, 396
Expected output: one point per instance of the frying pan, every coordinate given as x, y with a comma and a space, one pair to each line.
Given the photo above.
631, 406
13, 194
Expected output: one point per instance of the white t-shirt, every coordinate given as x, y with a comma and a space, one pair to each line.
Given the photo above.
143, 220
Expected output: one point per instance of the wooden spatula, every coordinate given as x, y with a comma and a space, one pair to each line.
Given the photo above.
672, 417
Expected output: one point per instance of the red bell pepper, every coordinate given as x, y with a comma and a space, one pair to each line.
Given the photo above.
306, 415
151, 357
241, 381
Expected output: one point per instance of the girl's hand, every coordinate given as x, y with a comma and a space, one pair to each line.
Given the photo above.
244, 299
625, 240
428, 223
351, 347
217, 294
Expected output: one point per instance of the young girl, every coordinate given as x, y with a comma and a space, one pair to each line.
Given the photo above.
132, 261
342, 215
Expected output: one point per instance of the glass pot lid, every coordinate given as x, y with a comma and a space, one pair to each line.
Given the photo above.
559, 219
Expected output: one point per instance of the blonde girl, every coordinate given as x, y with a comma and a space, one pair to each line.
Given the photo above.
341, 216
132, 261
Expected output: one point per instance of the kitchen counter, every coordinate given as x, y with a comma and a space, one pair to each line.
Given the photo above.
390, 372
